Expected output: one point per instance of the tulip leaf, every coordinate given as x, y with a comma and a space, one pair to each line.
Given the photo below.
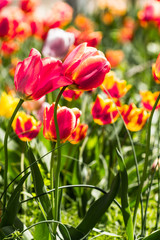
13, 205
39, 185
95, 212
124, 198
41, 230
153, 236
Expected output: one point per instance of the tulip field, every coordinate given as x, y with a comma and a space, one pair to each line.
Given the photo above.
80, 120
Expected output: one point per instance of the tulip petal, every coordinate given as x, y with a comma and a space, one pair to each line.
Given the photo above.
51, 77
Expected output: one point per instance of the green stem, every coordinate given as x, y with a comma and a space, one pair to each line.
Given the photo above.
6, 150
52, 177
145, 162
58, 166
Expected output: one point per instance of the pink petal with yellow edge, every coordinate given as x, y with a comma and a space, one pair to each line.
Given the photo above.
74, 56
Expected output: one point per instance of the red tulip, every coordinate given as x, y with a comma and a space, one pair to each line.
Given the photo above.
67, 118
86, 67
35, 77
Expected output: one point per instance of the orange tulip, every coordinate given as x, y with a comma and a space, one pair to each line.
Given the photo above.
115, 57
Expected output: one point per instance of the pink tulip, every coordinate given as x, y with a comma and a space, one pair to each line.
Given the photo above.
4, 3
35, 77
86, 67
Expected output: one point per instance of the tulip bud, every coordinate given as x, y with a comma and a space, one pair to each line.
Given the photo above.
67, 118
86, 67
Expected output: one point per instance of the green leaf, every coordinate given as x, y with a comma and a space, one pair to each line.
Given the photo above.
39, 185
95, 212
13, 205
74, 233
154, 236
41, 230
124, 198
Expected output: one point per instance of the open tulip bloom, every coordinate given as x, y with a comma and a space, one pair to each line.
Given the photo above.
35, 77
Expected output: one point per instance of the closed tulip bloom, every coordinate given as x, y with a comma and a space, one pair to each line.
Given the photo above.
148, 99
57, 43
67, 118
35, 77
25, 126
104, 111
134, 118
79, 134
115, 87
86, 67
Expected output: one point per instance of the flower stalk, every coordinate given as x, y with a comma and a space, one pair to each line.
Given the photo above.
6, 150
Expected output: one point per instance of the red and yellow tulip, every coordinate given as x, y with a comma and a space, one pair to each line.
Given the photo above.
134, 118
25, 126
148, 99
70, 95
67, 118
104, 111
115, 87
79, 134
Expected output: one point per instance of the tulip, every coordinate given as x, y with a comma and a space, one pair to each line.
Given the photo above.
156, 70
79, 134
71, 95
25, 126
4, 3
28, 5
35, 77
115, 57
148, 99
7, 105
104, 111
57, 43
67, 118
134, 118
115, 87
86, 67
